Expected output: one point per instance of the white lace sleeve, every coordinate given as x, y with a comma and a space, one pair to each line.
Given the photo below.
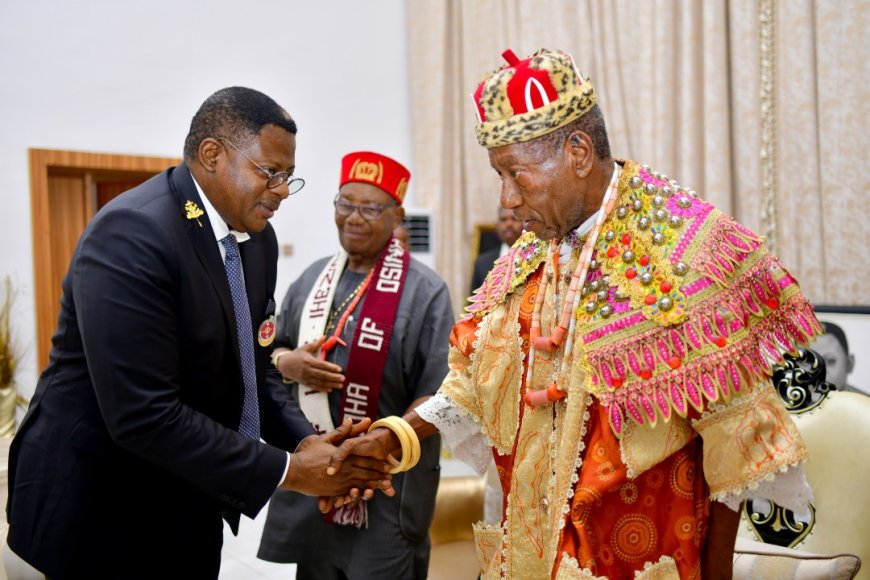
788, 489
461, 434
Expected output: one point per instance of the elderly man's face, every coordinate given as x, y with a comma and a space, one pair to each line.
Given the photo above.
540, 186
239, 193
358, 236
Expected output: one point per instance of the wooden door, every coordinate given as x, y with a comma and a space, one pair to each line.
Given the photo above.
66, 189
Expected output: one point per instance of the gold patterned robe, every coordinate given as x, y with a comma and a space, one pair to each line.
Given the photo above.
682, 316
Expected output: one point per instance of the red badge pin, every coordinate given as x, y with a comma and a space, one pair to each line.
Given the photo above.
266, 334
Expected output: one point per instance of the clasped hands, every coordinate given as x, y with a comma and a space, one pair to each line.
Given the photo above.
335, 474
343, 466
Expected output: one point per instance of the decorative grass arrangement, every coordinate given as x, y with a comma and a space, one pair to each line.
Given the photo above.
8, 355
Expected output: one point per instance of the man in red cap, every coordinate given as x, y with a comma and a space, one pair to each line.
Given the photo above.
615, 362
364, 333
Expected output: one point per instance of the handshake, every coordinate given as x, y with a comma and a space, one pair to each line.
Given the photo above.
346, 465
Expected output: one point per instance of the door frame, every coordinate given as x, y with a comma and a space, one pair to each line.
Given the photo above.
42, 161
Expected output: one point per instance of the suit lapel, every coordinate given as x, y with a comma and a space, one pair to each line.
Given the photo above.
202, 239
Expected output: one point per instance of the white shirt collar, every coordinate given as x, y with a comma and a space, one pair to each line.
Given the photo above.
585, 227
218, 225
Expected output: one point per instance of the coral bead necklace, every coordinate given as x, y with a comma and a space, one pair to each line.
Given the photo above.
564, 331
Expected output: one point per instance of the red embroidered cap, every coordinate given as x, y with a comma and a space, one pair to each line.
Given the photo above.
530, 98
378, 170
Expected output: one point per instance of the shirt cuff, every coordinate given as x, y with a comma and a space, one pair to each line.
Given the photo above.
286, 469
287, 466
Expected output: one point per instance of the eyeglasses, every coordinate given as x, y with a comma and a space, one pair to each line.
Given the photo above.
368, 212
294, 184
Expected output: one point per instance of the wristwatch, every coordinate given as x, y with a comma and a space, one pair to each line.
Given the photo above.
276, 356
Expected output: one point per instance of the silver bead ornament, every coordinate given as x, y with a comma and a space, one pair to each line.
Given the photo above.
660, 215
658, 239
658, 201
649, 189
635, 182
684, 202
628, 256
610, 236
646, 278
637, 205
643, 223
622, 212
666, 303
602, 295
675, 221
680, 269
606, 310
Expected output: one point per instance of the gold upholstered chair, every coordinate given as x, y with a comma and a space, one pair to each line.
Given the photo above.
836, 429
458, 505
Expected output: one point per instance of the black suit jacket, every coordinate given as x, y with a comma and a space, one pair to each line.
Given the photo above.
482, 266
129, 454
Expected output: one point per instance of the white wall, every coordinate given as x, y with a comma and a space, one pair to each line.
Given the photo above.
123, 77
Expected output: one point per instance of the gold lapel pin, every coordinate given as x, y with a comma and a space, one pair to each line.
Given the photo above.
193, 211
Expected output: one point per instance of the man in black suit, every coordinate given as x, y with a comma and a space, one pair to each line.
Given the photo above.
145, 427
508, 229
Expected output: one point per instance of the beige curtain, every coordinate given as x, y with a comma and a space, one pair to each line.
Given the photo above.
760, 106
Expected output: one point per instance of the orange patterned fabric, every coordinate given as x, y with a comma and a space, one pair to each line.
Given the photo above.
616, 525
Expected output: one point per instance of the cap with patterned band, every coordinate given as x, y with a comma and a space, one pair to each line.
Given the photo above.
530, 98
378, 170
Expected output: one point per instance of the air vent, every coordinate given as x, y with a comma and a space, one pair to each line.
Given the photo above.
418, 222
418, 232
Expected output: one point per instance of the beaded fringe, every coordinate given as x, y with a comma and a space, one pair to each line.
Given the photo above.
722, 370
357, 515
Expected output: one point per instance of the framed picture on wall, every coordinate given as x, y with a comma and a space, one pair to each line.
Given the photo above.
483, 238
845, 346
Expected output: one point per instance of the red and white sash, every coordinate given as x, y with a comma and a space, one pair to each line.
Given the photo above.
315, 313
371, 341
